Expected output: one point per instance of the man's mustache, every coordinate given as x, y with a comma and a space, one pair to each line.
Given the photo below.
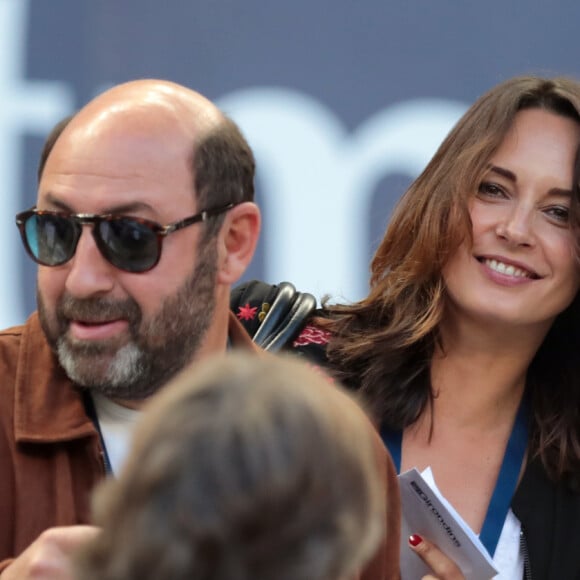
96, 310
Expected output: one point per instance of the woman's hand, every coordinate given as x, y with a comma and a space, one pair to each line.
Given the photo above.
443, 567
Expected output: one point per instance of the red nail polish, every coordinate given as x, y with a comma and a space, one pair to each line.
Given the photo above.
415, 539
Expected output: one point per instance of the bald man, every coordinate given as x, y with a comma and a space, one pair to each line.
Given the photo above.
144, 219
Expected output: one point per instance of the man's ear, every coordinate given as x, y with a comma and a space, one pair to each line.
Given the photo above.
237, 241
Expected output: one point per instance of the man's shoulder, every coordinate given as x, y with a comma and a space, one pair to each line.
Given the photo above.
11, 340
22, 349
29, 331
12, 331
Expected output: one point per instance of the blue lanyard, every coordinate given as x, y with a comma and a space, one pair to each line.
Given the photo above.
507, 480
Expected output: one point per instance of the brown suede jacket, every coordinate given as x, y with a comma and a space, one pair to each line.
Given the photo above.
51, 457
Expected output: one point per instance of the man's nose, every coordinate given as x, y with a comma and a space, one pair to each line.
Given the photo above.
89, 273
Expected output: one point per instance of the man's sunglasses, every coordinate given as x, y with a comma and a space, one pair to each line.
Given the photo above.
129, 243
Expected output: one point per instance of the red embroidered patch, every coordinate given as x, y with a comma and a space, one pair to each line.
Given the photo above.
312, 335
247, 312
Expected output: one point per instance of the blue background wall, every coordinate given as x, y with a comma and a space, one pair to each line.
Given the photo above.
344, 102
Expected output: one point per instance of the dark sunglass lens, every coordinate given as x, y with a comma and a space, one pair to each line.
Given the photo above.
51, 238
128, 244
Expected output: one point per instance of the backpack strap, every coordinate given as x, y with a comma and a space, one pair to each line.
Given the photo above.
273, 315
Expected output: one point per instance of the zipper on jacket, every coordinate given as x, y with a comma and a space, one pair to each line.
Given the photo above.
92, 414
526, 556
108, 469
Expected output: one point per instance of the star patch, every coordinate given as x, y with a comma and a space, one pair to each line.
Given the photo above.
247, 312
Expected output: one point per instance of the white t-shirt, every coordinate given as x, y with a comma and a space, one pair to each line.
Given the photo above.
508, 558
117, 424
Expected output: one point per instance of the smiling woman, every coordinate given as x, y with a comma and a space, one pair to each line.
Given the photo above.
520, 268
465, 346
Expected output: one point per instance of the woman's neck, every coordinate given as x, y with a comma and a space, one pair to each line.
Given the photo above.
475, 392
479, 377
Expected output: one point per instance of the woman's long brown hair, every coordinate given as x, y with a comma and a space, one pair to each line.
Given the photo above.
383, 344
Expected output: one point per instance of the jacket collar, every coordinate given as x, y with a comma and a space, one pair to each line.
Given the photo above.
48, 408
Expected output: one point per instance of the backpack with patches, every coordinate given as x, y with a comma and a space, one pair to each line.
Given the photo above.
274, 315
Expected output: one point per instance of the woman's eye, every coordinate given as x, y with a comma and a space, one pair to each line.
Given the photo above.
487, 189
559, 213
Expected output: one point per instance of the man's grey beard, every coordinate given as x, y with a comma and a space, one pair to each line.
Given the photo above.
124, 370
158, 348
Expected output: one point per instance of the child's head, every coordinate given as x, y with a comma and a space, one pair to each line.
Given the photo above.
249, 468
